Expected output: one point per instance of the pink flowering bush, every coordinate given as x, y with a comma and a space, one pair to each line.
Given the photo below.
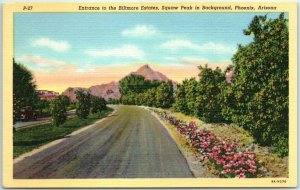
226, 157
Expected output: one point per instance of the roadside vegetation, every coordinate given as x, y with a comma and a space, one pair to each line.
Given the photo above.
206, 139
254, 97
25, 140
242, 120
89, 108
136, 90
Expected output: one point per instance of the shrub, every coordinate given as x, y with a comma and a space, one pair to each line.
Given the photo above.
180, 103
84, 104
58, 110
185, 97
113, 101
164, 95
98, 104
150, 97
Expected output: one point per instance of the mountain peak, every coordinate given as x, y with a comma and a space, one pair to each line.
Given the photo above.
111, 90
146, 66
149, 74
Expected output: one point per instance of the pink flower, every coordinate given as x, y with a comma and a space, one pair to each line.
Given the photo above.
242, 175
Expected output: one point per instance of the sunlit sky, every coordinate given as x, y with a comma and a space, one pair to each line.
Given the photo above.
83, 49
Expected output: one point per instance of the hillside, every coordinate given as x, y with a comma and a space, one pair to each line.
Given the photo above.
111, 90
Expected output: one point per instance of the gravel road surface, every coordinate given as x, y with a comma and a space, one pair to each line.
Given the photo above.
131, 143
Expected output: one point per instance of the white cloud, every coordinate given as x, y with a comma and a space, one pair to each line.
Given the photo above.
140, 31
186, 44
41, 61
127, 50
193, 60
179, 44
58, 46
196, 61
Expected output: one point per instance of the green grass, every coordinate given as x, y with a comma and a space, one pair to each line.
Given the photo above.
27, 139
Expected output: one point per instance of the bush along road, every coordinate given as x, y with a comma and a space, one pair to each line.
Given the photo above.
131, 143
228, 160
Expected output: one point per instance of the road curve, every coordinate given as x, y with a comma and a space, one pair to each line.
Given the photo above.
132, 143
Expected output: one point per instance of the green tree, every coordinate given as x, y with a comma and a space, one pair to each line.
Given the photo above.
113, 101
134, 88
227, 97
84, 104
43, 105
208, 101
133, 84
192, 92
23, 89
180, 103
164, 95
260, 85
65, 100
58, 110
98, 104
150, 97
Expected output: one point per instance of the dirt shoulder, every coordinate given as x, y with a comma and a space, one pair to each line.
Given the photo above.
193, 158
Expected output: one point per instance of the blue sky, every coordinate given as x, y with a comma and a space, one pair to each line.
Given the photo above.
49, 41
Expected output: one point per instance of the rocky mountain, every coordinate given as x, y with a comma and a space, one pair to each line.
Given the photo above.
70, 92
107, 91
150, 74
111, 90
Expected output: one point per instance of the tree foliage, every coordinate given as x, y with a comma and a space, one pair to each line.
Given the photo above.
23, 89
180, 103
133, 84
136, 90
208, 101
58, 110
98, 104
260, 86
84, 104
164, 95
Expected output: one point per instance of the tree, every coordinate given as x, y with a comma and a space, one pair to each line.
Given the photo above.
84, 104
164, 95
180, 103
65, 100
23, 89
208, 101
227, 96
58, 110
98, 104
192, 92
150, 97
113, 101
260, 86
41, 105
134, 89
133, 84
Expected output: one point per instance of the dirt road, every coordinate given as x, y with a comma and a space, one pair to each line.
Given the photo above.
129, 144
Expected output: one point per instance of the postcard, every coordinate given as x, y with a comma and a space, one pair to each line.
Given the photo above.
149, 94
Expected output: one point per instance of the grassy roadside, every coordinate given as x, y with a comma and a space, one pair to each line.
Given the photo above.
277, 166
27, 139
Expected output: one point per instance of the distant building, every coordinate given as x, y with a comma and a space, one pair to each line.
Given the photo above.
46, 94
